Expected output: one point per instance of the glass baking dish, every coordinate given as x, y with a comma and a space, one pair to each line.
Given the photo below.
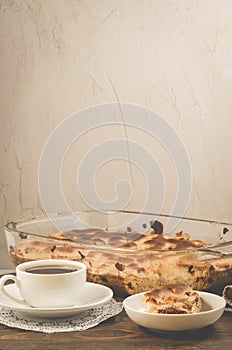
121, 250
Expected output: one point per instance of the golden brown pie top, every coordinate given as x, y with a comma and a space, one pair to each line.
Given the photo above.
131, 240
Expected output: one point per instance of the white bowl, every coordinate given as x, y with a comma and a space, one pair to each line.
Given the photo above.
212, 309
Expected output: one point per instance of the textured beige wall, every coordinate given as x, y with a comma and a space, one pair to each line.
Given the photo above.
172, 56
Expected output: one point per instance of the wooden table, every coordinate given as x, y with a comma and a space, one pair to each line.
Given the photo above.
120, 333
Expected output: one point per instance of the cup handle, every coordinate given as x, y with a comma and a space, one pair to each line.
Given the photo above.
3, 280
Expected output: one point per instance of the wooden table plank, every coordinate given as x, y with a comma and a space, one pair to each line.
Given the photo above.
120, 333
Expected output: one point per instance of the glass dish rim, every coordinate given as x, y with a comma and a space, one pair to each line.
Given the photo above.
211, 249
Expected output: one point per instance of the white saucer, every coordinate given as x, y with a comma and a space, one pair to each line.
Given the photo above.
92, 295
212, 310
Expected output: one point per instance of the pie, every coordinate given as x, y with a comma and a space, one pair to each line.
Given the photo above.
172, 299
131, 262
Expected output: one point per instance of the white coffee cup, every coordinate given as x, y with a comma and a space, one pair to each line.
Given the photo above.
47, 283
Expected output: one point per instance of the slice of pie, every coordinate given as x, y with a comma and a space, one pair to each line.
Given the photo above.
172, 299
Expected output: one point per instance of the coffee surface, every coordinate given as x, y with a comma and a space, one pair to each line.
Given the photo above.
50, 270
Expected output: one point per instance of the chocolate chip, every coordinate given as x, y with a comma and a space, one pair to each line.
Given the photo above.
119, 266
129, 229
130, 285
144, 225
225, 230
190, 269
157, 226
22, 235
53, 249
82, 255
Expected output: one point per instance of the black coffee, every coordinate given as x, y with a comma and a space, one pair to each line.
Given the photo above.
50, 270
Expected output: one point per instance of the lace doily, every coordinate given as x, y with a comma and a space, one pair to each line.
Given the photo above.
80, 322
